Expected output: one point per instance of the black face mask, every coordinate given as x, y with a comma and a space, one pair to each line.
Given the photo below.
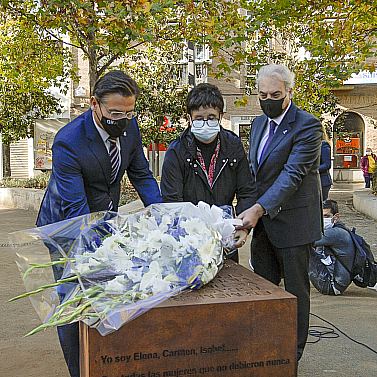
272, 107
115, 128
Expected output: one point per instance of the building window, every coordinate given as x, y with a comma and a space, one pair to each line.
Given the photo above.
182, 74
202, 53
200, 73
200, 56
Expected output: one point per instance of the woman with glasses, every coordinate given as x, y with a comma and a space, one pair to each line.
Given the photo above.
207, 162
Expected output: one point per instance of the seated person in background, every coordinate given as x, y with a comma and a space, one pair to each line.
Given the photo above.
207, 162
333, 256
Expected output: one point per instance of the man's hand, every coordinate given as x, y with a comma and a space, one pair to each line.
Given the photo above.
240, 236
251, 216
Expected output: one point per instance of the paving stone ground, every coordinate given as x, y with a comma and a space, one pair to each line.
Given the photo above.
354, 313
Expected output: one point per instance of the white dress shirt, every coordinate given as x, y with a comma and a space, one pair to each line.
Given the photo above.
277, 120
105, 137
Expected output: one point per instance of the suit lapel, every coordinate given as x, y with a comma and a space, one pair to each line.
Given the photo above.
97, 147
257, 128
281, 132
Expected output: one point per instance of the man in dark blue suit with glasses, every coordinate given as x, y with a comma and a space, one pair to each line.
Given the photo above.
89, 158
284, 159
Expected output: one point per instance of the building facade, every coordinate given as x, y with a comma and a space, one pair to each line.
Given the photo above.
356, 128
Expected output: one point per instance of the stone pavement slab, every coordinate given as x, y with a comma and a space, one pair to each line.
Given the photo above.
36, 356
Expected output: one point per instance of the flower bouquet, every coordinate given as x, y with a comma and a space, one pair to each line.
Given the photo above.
106, 268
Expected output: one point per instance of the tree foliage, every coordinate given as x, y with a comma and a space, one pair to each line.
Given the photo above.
30, 64
323, 42
162, 93
106, 31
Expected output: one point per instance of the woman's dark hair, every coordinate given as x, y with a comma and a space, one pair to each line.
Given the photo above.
115, 82
204, 95
332, 205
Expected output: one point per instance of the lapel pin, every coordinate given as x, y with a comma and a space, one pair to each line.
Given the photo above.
285, 131
125, 133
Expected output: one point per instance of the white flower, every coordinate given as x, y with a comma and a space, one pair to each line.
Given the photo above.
83, 267
153, 279
134, 274
165, 221
206, 252
113, 241
160, 285
151, 276
122, 264
117, 285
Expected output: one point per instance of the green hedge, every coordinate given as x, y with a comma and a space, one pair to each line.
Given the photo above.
38, 182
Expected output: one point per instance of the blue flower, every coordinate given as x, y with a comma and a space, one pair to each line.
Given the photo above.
187, 266
176, 231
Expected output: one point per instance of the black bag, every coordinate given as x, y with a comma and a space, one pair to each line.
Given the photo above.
364, 269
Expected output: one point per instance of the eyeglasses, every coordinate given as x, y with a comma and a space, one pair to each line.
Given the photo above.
199, 123
117, 115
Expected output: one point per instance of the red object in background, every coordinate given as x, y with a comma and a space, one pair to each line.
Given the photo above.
159, 147
347, 145
166, 126
350, 164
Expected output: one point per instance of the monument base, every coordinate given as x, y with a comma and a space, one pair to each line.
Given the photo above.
239, 325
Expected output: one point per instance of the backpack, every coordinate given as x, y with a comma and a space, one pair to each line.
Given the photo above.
364, 269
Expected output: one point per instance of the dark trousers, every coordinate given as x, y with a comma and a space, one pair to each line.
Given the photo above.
69, 341
368, 180
273, 263
68, 334
325, 192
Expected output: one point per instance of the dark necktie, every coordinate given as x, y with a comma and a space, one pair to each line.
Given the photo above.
115, 160
271, 132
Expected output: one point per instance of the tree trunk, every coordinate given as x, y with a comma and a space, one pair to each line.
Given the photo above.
6, 160
93, 75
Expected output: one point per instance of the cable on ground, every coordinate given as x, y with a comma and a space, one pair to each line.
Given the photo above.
322, 332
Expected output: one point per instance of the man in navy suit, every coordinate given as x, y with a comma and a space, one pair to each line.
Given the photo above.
284, 158
89, 158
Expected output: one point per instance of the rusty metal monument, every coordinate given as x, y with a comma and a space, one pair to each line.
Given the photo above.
239, 325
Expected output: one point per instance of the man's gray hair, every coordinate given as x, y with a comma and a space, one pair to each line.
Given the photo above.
278, 71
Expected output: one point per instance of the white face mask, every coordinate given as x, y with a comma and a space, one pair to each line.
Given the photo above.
368, 153
206, 132
327, 222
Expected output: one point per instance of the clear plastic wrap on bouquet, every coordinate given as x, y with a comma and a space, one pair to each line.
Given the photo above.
107, 268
